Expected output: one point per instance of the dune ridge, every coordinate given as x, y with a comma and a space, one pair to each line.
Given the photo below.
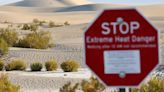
49, 3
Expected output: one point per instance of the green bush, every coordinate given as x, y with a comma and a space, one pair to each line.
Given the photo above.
93, 85
3, 47
41, 23
7, 86
10, 25
70, 66
66, 23
51, 65
36, 20
34, 27
26, 27
16, 65
9, 35
1, 65
69, 88
37, 40
154, 85
19, 26
36, 66
51, 24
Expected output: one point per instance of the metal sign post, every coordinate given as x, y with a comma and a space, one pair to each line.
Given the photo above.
122, 90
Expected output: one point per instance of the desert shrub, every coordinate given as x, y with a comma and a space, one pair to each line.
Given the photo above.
10, 26
7, 86
70, 66
9, 35
51, 24
15, 65
69, 88
1, 65
154, 85
66, 23
93, 85
26, 27
41, 23
58, 25
36, 66
19, 26
36, 20
37, 40
51, 65
34, 27
6, 22
3, 47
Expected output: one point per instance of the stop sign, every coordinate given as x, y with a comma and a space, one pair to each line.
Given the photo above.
121, 47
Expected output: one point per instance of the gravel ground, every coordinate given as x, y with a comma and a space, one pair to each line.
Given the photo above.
42, 56
47, 81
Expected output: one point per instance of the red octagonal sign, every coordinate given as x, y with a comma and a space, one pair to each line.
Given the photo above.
121, 47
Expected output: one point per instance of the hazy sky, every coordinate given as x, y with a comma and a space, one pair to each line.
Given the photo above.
138, 2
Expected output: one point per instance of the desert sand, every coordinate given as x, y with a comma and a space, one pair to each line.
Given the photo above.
68, 39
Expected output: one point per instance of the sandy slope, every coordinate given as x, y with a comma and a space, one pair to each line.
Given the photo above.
89, 7
153, 10
72, 17
49, 3
75, 14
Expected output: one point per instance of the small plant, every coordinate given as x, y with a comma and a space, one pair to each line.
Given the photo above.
70, 66
36, 66
51, 65
26, 27
154, 85
93, 85
41, 23
36, 21
1, 65
37, 40
10, 26
6, 22
9, 35
19, 26
51, 24
16, 65
3, 47
34, 27
6, 85
66, 23
69, 88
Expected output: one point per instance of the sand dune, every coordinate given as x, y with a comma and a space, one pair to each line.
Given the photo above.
152, 10
75, 14
72, 17
49, 3
74, 6
37, 3
89, 7
74, 2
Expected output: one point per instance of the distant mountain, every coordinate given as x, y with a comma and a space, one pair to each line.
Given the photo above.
49, 3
